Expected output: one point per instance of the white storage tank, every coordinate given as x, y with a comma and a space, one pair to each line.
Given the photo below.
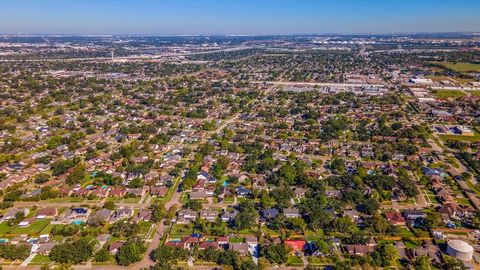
460, 250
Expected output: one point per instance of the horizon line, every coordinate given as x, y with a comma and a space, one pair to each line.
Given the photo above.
252, 35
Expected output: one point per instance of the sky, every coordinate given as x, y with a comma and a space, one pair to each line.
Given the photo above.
241, 17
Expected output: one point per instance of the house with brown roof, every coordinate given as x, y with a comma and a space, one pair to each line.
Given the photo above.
159, 191
241, 248
47, 212
358, 249
395, 218
115, 246
118, 192
144, 215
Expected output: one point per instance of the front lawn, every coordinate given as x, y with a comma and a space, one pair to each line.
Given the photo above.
40, 259
404, 232
294, 261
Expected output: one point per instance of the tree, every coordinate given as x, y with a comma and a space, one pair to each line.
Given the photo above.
110, 205
370, 206
131, 252
337, 165
433, 220
172, 211
42, 178
102, 255
452, 263
195, 205
248, 265
19, 216
135, 183
275, 253
167, 256
14, 252
73, 252
76, 176
158, 211
422, 263
388, 254
65, 230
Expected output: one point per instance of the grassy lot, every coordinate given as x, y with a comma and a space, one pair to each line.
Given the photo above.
40, 259
294, 261
228, 200
132, 200
318, 261
460, 66
472, 186
269, 231
404, 232
448, 93
438, 78
474, 93
144, 227
474, 138
237, 239
180, 230
464, 201
33, 229
67, 200
412, 244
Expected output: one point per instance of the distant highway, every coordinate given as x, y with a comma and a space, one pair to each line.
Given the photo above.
317, 84
128, 58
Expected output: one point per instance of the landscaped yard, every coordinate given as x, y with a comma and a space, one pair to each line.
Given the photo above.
33, 229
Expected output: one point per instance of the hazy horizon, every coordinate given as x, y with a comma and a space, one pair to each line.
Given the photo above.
249, 18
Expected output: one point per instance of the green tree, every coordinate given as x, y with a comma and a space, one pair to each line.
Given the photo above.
102, 255
73, 252
275, 253
131, 252
42, 178
77, 176
158, 211
422, 263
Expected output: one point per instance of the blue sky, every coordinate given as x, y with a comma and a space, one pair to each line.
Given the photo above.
237, 16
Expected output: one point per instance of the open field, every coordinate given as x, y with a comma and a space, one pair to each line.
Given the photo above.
448, 93
474, 93
460, 66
